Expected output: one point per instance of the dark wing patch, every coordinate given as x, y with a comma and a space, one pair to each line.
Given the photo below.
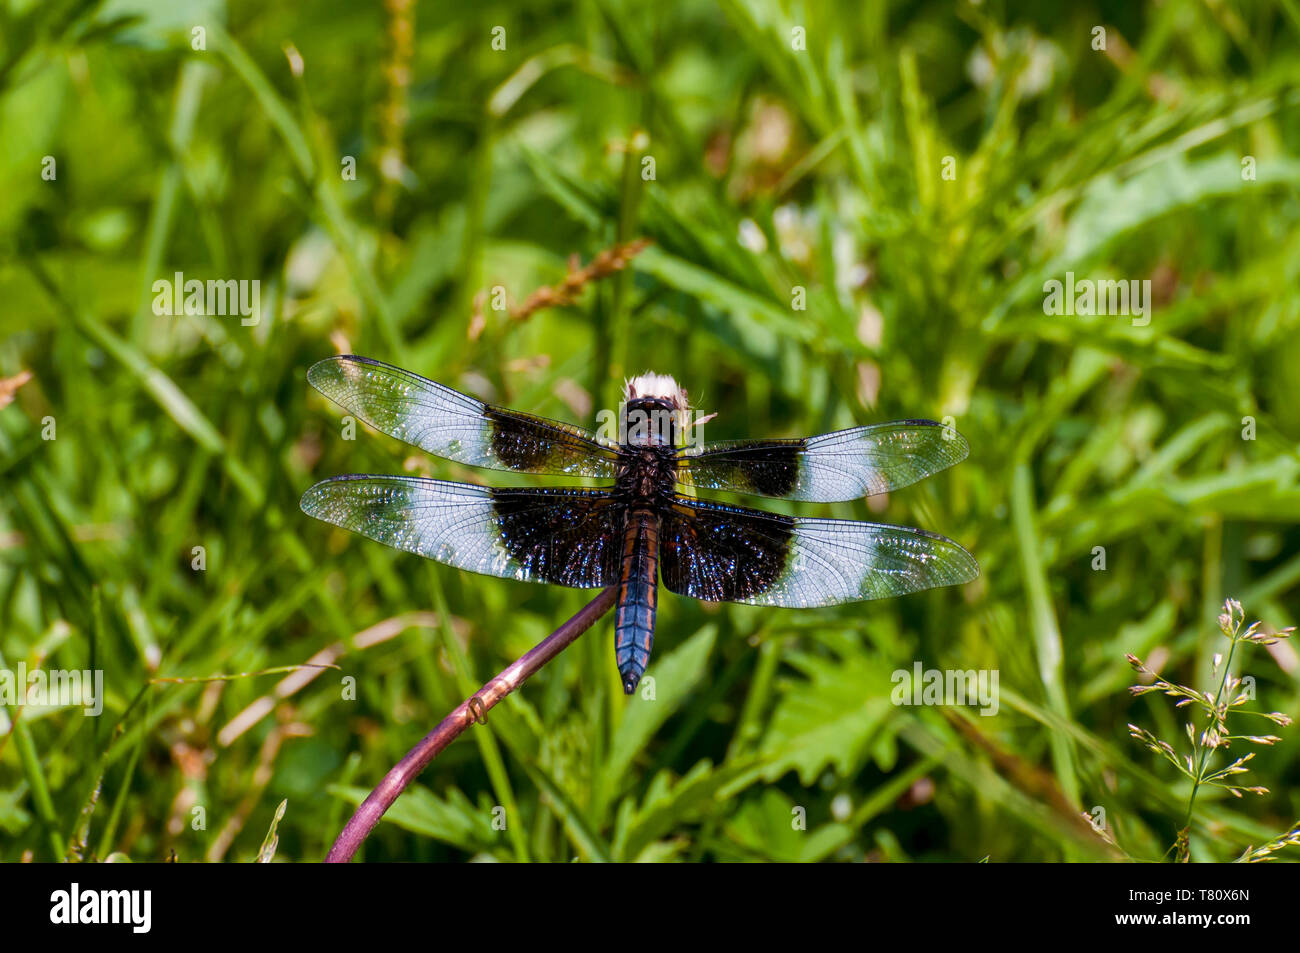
455, 426
722, 553
761, 467
836, 466
729, 553
569, 537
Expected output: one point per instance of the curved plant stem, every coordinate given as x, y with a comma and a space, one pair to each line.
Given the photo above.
473, 709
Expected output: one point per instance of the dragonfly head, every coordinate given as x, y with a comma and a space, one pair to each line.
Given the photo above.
656, 409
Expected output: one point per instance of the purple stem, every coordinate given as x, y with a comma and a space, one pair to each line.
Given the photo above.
469, 711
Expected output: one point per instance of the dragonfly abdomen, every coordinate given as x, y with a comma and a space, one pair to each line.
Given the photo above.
638, 597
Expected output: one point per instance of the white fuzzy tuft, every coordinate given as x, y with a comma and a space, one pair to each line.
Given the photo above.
651, 384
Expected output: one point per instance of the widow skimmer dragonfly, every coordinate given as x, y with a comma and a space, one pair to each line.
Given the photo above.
639, 530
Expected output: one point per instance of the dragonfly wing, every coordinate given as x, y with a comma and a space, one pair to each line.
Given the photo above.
729, 553
569, 537
455, 426
844, 465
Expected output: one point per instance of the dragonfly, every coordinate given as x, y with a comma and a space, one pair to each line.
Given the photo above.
642, 528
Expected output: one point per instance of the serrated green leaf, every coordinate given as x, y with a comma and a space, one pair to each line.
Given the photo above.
826, 719
667, 803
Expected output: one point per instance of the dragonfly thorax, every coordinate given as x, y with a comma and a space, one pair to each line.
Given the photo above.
647, 474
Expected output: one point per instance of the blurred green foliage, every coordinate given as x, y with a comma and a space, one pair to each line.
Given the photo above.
792, 146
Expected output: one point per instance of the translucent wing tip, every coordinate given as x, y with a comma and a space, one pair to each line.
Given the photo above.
319, 499
960, 448
324, 375
961, 565
966, 566
314, 498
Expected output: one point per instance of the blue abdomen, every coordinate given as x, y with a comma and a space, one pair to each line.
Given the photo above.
638, 597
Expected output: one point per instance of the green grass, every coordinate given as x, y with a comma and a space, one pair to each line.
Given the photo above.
924, 298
